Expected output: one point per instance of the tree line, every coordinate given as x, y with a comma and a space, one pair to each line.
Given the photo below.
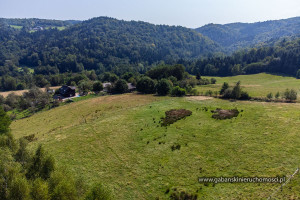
282, 57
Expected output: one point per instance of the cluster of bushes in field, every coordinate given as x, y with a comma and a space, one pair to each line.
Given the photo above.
27, 176
34, 99
170, 80
288, 95
233, 93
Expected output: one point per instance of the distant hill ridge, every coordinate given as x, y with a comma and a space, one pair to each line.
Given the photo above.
240, 35
99, 42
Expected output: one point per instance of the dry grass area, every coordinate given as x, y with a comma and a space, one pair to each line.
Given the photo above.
199, 98
20, 92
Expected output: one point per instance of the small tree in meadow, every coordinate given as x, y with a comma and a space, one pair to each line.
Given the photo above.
236, 91
213, 81
270, 95
290, 95
225, 86
277, 95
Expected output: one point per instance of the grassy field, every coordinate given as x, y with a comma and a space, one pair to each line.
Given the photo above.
118, 140
257, 85
16, 27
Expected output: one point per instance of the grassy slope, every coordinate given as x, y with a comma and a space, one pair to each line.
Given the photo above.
106, 139
257, 85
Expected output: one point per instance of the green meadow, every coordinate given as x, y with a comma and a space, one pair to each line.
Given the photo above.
16, 27
257, 85
118, 140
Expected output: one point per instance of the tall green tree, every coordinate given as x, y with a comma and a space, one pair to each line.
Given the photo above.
163, 87
146, 85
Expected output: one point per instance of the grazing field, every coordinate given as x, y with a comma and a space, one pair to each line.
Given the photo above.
20, 92
257, 85
119, 141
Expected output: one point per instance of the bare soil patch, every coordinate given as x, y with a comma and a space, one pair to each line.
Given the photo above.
199, 98
174, 115
224, 114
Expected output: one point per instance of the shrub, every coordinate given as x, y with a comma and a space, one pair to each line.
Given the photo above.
20, 86
290, 95
194, 92
35, 97
213, 81
163, 87
98, 192
19, 189
132, 80
120, 86
41, 165
12, 100
178, 92
84, 87
227, 93
270, 95
145, 85
22, 156
203, 81
4, 121
245, 96
173, 79
209, 93
225, 86
97, 86
40, 190
62, 186
277, 95
236, 91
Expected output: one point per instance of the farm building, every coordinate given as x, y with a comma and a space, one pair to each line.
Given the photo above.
67, 91
131, 87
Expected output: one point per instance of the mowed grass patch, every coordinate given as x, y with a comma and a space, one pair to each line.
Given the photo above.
257, 85
118, 140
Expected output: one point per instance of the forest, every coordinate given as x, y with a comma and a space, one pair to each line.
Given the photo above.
237, 36
54, 56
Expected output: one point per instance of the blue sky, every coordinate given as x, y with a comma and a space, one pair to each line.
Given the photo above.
188, 13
